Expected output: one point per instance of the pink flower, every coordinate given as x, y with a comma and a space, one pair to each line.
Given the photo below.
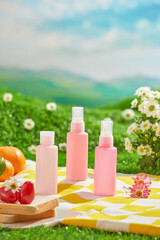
139, 190
142, 178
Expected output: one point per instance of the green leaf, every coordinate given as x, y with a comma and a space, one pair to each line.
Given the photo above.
2, 166
145, 162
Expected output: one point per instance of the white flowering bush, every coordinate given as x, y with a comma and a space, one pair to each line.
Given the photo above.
144, 132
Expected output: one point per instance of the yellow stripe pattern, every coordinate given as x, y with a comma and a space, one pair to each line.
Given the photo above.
118, 213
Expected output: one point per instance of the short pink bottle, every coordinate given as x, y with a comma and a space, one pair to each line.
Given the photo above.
77, 148
105, 162
46, 164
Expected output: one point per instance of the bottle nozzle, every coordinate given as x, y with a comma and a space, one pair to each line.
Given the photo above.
106, 128
77, 114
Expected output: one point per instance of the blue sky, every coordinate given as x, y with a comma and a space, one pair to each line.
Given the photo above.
102, 39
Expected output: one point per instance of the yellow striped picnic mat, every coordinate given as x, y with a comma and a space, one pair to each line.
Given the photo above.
79, 207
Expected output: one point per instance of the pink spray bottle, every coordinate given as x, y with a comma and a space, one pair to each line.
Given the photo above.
46, 164
105, 162
77, 148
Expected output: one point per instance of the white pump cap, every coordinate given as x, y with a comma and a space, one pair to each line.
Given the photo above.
77, 115
47, 137
106, 128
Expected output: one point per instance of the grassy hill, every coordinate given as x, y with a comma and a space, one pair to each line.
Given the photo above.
12, 132
55, 85
70, 89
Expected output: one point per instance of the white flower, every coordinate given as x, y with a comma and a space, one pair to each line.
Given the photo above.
152, 108
128, 114
148, 96
145, 125
62, 147
51, 106
148, 150
142, 90
131, 149
137, 131
156, 94
128, 145
154, 139
7, 97
158, 115
13, 184
134, 103
141, 150
132, 128
158, 132
142, 107
144, 98
155, 126
32, 149
28, 124
153, 95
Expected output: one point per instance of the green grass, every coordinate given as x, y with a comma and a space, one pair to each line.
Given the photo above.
67, 232
12, 132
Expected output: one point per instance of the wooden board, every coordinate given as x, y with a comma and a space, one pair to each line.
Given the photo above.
4, 218
40, 204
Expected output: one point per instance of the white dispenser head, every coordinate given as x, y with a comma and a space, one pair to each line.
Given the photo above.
47, 137
77, 115
106, 128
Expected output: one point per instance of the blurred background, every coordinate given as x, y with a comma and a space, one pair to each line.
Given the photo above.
79, 52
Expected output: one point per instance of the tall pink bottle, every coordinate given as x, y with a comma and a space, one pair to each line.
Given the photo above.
105, 162
46, 164
77, 148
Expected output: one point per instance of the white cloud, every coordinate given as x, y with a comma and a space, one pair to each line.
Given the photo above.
16, 10
109, 42
63, 9
146, 27
86, 24
114, 53
129, 4
135, 3
107, 66
100, 58
143, 24
53, 9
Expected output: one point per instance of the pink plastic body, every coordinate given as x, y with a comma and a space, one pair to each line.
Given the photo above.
105, 169
77, 153
46, 169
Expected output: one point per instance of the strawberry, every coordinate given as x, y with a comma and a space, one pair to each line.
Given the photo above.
8, 196
27, 193
1, 189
